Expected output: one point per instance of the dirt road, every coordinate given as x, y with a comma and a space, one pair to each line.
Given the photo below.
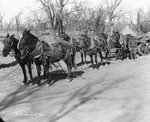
117, 93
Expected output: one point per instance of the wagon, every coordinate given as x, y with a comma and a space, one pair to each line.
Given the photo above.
143, 45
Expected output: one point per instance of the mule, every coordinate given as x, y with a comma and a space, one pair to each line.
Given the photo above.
44, 54
10, 45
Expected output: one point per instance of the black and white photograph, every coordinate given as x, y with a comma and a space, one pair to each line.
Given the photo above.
74, 60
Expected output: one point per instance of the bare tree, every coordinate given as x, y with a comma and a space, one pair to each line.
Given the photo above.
73, 17
60, 14
48, 6
114, 12
142, 21
29, 23
1, 19
56, 13
10, 24
99, 26
39, 20
17, 20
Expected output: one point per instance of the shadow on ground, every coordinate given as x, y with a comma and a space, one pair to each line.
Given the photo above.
99, 65
59, 75
17, 97
14, 63
81, 63
84, 95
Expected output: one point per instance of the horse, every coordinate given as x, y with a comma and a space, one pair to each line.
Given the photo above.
89, 46
99, 46
10, 45
44, 53
76, 42
80, 44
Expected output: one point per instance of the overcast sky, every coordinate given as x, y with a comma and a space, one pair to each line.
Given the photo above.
12, 7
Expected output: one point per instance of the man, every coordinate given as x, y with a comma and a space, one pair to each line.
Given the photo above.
132, 47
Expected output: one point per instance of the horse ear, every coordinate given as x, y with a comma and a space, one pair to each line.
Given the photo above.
7, 35
12, 35
28, 31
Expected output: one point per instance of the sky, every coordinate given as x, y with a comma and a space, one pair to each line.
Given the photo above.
12, 7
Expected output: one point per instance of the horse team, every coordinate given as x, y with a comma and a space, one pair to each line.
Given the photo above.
29, 49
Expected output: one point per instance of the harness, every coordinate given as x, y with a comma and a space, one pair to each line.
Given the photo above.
43, 51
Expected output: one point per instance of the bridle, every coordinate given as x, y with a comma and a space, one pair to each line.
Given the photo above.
24, 48
9, 42
26, 42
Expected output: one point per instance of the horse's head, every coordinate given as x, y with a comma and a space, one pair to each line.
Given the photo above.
81, 42
27, 42
65, 37
9, 43
24, 39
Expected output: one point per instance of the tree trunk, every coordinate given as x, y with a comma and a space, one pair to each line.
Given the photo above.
109, 32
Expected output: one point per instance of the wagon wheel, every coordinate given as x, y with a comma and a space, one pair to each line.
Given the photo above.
141, 49
148, 48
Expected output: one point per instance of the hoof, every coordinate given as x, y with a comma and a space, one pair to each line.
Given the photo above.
31, 84
107, 65
36, 84
48, 85
92, 68
68, 79
22, 84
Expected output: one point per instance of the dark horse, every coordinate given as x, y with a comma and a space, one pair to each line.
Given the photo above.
10, 44
99, 46
80, 44
94, 45
89, 46
44, 54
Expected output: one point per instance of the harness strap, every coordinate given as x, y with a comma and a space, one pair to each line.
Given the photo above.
39, 52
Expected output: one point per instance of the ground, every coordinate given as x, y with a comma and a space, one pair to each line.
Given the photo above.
118, 92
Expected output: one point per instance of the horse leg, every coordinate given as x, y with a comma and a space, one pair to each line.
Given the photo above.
24, 73
38, 67
106, 54
69, 67
81, 57
73, 59
44, 72
85, 57
96, 59
30, 70
91, 56
100, 53
46, 68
